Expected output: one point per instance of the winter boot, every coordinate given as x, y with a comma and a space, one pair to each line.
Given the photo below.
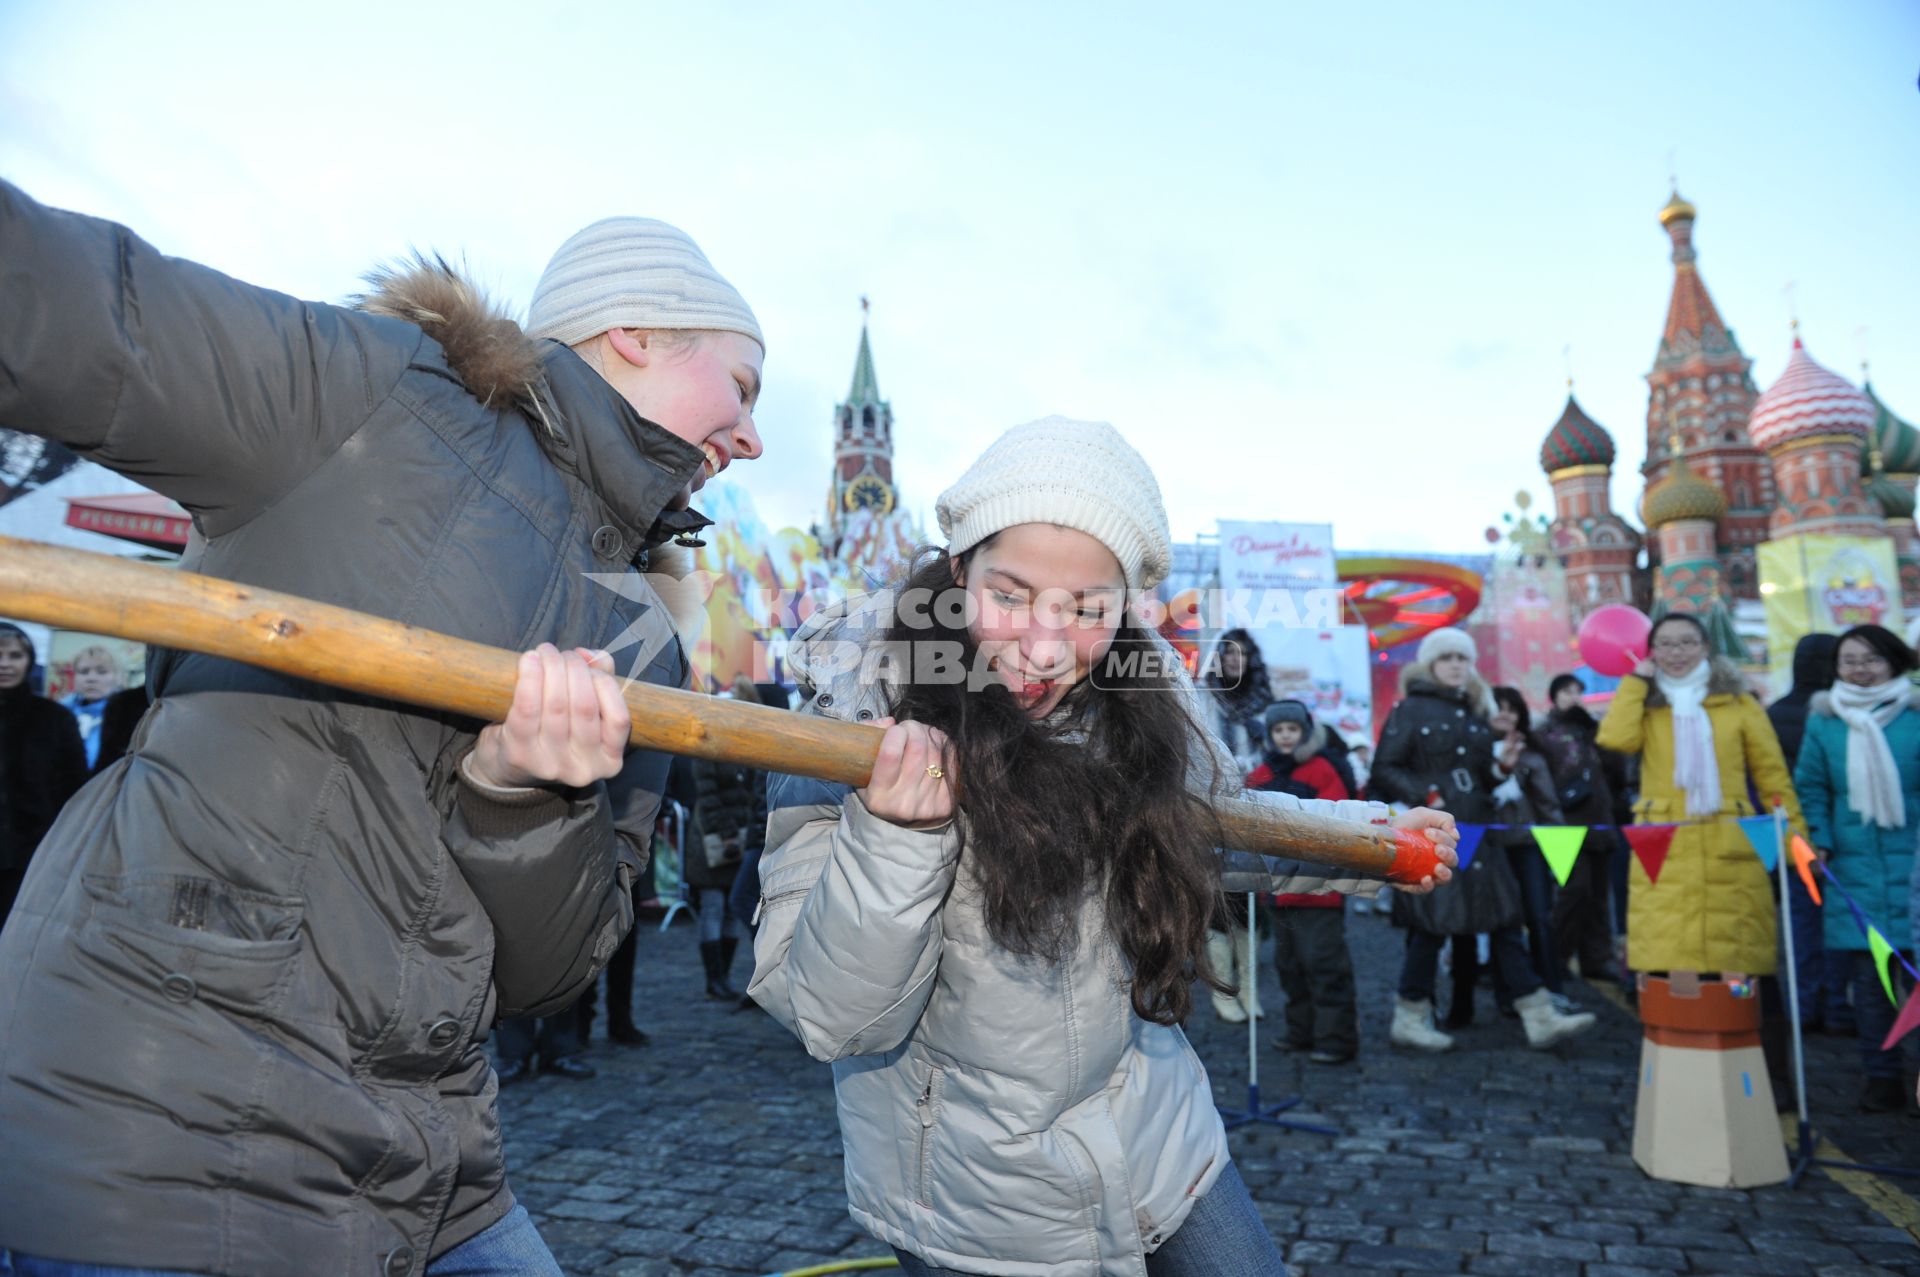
728, 946
1545, 1024
1220, 958
717, 987
1413, 1027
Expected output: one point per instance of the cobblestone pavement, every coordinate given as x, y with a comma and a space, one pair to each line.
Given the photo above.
714, 1151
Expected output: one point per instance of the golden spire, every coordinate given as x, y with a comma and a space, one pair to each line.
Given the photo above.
1676, 209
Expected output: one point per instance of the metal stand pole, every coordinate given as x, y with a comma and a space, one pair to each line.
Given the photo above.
1803, 1153
1254, 1113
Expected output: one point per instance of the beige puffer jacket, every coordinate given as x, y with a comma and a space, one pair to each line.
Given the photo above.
999, 1114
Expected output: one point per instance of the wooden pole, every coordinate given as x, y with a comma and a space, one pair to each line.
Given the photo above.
166, 607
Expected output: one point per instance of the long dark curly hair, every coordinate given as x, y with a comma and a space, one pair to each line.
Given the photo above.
1100, 799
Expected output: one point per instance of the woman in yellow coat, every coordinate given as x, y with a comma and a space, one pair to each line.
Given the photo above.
1702, 738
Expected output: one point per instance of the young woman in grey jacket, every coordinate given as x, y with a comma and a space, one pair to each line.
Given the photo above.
994, 942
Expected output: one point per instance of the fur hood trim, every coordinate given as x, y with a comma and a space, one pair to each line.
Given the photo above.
1724, 679
488, 351
1313, 746
1479, 697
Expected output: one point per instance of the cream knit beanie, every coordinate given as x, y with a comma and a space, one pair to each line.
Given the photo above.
634, 272
1447, 641
1077, 474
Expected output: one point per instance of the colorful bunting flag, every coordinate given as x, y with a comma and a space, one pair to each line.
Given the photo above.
1560, 844
1906, 1022
1650, 844
1803, 861
1470, 836
1765, 839
1882, 957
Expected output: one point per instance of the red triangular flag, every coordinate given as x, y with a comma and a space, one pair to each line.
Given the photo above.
1651, 844
1906, 1022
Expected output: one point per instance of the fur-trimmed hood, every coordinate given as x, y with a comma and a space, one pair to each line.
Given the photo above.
1725, 679
634, 473
487, 350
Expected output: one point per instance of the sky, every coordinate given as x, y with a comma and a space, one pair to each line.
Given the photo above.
1323, 263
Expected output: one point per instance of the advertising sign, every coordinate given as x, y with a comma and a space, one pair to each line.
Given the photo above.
1813, 584
1260, 556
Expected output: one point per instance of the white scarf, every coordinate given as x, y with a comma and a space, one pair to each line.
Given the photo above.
1695, 768
1873, 780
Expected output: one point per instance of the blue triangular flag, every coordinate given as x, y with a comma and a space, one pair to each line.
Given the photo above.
1470, 836
1765, 837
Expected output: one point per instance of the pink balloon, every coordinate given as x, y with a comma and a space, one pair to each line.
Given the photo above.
1613, 639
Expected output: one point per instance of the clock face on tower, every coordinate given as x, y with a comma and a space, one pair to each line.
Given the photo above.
869, 492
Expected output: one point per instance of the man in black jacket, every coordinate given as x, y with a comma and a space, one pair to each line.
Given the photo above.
244, 990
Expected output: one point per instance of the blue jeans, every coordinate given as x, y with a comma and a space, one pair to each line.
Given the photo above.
551, 1037
1222, 1234
510, 1247
744, 898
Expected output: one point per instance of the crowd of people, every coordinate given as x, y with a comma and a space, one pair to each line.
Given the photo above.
1684, 741
48, 746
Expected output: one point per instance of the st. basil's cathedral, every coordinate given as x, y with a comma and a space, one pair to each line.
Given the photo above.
1728, 467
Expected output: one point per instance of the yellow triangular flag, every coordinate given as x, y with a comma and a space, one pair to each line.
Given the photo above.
1882, 960
1560, 844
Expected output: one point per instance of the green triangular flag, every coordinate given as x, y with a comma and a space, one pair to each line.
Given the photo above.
1560, 844
1882, 957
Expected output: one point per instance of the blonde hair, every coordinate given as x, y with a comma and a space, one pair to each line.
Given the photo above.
102, 655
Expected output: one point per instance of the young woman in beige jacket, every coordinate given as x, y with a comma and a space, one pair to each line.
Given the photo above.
996, 939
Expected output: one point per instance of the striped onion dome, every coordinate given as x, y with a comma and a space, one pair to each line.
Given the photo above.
1897, 442
1808, 400
1682, 495
1891, 495
1575, 440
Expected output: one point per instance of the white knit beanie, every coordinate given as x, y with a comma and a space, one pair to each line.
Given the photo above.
1077, 474
634, 272
1447, 641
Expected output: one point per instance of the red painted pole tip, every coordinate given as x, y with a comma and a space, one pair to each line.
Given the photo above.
1415, 857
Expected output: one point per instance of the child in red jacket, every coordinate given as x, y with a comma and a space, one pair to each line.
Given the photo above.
1310, 931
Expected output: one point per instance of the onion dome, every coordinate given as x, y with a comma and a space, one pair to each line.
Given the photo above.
1575, 440
1891, 496
1675, 210
1682, 495
1808, 400
1897, 442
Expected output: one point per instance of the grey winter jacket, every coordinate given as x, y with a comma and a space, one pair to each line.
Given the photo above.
244, 991
999, 1114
